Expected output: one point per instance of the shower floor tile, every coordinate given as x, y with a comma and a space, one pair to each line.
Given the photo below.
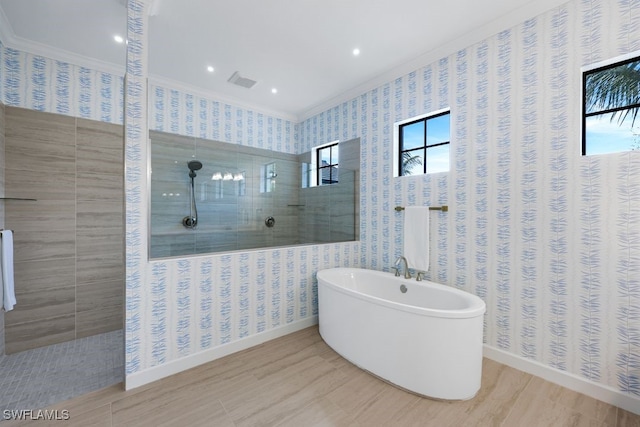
37, 378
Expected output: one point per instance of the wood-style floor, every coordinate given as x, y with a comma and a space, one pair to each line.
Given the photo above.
297, 380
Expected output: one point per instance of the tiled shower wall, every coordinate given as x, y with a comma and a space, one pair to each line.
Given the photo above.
330, 213
231, 214
250, 285
68, 245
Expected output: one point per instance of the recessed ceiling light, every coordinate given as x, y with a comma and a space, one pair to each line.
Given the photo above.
210, 69
118, 39
274, 90
356, 52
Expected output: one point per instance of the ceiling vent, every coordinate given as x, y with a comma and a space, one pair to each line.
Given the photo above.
237, 79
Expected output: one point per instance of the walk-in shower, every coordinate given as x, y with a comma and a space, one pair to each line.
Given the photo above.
191, 221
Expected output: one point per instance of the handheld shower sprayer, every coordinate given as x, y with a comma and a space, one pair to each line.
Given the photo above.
191, 221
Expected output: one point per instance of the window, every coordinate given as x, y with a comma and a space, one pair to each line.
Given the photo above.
423, 144
327, 164
611, 101
268, 176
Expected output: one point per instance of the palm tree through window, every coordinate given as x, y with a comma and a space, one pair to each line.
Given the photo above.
424, 145
610, 108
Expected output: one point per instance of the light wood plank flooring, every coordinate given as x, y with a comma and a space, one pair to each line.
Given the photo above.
297, 380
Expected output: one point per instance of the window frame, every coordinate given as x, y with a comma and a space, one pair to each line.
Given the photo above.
398, 146
320, 167
585, 73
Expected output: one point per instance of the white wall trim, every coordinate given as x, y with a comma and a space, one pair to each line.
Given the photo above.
173, 367
515, 17
509, 20
565, 379
168, 83
10, 40
6, 30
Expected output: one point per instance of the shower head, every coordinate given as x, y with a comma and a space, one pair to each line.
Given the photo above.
194, 165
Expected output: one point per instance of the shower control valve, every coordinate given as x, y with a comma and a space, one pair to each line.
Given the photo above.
190, 221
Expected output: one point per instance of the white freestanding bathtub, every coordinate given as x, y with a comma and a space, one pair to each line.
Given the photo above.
427, 339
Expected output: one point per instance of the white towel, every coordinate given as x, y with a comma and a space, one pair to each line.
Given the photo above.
6, 263
416, 237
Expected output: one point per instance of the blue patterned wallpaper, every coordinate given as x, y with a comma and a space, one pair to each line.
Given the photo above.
137, 286
549, 239
189, 114
179, 307
39, 83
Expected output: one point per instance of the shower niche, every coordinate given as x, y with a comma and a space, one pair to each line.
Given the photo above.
210, 196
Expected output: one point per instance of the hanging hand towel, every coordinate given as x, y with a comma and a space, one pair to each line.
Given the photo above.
416, 237
6, 263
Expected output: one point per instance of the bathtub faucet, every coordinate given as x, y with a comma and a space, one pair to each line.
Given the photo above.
407, 273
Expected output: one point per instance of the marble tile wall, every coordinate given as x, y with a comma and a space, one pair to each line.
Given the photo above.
68, 248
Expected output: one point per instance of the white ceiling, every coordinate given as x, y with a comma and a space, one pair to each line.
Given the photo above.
301, 47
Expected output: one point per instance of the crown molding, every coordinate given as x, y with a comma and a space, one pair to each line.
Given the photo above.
10, 40
506, 21
6, 30
212, 95
34, 48
533, 9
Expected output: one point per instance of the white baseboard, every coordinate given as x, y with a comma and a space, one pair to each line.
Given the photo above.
565, 379
173, 367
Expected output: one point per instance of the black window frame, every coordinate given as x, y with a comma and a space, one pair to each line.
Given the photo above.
585, 115
330, 166
425, 146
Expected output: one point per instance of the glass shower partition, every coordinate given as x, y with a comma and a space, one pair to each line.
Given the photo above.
245, 198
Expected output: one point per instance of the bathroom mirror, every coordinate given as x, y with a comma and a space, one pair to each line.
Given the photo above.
210, 196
